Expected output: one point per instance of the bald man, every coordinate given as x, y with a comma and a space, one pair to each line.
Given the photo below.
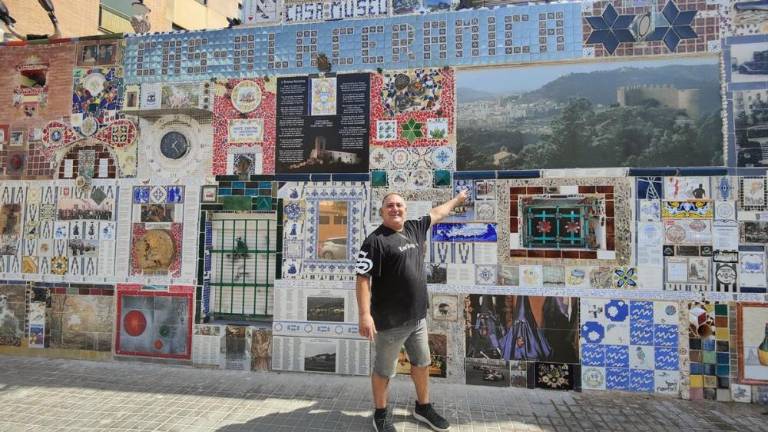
392, 303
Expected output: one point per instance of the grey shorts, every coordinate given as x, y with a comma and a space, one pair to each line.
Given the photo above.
412, 334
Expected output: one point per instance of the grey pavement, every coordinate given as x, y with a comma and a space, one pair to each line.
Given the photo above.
67, 395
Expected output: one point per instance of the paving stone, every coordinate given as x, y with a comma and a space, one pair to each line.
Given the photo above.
43, 394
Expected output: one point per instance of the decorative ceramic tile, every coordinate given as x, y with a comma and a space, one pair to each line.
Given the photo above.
379, 158
353, 45
322, 201
156, 227
237, 101
725, 210
687, 231
69, 231
622, 28
741, 393
96, 98
686, 188
301, 11
650, 188
464, 232
175, 147
485, 210
484, 115
531, 241
649, 210
445, 307
386, 130
420, 179
379, 178
625, 277
745, 137
485, 275
443, 157
417, 102
752, 334
687, 209
753, 193
709, 338
442, 178
255, 12
752, 269
630, 345
556, 376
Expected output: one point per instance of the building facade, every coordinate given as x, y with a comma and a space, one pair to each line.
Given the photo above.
91, 17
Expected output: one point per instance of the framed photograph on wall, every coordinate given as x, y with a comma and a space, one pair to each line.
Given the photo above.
753, 343
209, 193
17, 137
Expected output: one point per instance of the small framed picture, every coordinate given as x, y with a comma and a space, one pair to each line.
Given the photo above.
132, 93
17, 138
98, 53
209, 193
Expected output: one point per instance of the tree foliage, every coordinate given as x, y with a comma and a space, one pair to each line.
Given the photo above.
648, 134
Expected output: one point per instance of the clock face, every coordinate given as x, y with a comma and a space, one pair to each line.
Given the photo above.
174, 145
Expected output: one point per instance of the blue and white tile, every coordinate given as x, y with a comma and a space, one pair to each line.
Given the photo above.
665, 335
641, 357
616, 333
617, 379
667, 382
617, 356
592, 333
617, 311
641, 311
641, 380
485, 275
665, 312
640, 333
667, 359
592, 378
593, 355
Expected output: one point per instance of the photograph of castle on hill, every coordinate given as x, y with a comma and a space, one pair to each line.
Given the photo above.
649, 113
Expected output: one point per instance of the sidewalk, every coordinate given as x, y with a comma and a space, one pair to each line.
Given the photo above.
57, 395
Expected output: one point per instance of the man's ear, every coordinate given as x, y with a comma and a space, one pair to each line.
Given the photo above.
381, 211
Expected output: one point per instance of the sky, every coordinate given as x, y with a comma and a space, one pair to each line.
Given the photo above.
520, 79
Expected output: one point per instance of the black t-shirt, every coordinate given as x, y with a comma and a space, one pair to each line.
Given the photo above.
395, 263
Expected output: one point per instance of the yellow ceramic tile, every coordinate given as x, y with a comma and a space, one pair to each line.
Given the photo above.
722, 334
697, 381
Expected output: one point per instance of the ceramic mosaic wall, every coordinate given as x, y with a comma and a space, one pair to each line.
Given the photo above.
305, 206
155, 222
244, 127
709, 343
200, 198
630, 345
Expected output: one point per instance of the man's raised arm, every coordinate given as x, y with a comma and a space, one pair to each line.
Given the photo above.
443, 210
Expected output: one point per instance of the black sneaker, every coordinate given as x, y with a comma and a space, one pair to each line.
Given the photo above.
383, 424
426, 414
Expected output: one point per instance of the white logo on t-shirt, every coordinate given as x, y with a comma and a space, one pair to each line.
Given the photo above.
363, 265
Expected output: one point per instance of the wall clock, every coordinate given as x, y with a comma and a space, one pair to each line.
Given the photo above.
174, 145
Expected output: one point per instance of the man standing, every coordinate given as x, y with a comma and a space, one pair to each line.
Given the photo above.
392, 303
